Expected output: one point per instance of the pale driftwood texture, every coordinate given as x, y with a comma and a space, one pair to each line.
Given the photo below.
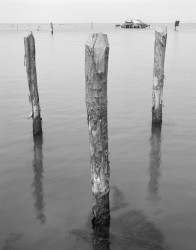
158, 74
29, 43
96, 69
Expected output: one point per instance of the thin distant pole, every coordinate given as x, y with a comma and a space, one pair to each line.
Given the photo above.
158, 74
29, 43
176, 24
51, 26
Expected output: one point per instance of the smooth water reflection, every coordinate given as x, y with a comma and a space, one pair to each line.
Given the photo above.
155, 163
10, 242
37, 186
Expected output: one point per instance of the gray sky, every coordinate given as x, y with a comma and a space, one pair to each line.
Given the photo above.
114, 11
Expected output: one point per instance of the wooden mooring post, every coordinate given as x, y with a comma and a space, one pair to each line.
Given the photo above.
96, 69
29, 43
158, 74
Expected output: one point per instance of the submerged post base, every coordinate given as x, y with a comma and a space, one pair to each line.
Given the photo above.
37, 125
101, 211
101, 237
157, 116
101, 223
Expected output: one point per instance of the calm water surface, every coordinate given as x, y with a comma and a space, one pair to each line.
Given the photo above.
45, 190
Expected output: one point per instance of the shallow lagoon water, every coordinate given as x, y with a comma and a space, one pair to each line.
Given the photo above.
45, 190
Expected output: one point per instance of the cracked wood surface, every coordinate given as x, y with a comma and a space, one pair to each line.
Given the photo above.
29, 43
96, 69
158, 74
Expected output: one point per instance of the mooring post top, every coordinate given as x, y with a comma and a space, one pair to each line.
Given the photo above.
29, 37
97, 40
97, 43
161, 35
161, 30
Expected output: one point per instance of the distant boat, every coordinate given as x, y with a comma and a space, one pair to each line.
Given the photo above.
134, 24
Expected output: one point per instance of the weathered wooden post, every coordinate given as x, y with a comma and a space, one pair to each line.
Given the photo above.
96, 69
38, 169
51, 26
29, 43
158, 74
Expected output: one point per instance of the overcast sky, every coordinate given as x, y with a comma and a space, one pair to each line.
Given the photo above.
113, 11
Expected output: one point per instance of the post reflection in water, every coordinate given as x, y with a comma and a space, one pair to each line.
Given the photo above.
96, 237
155, 162
129, 229
101, 237
100, 227
38, 193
